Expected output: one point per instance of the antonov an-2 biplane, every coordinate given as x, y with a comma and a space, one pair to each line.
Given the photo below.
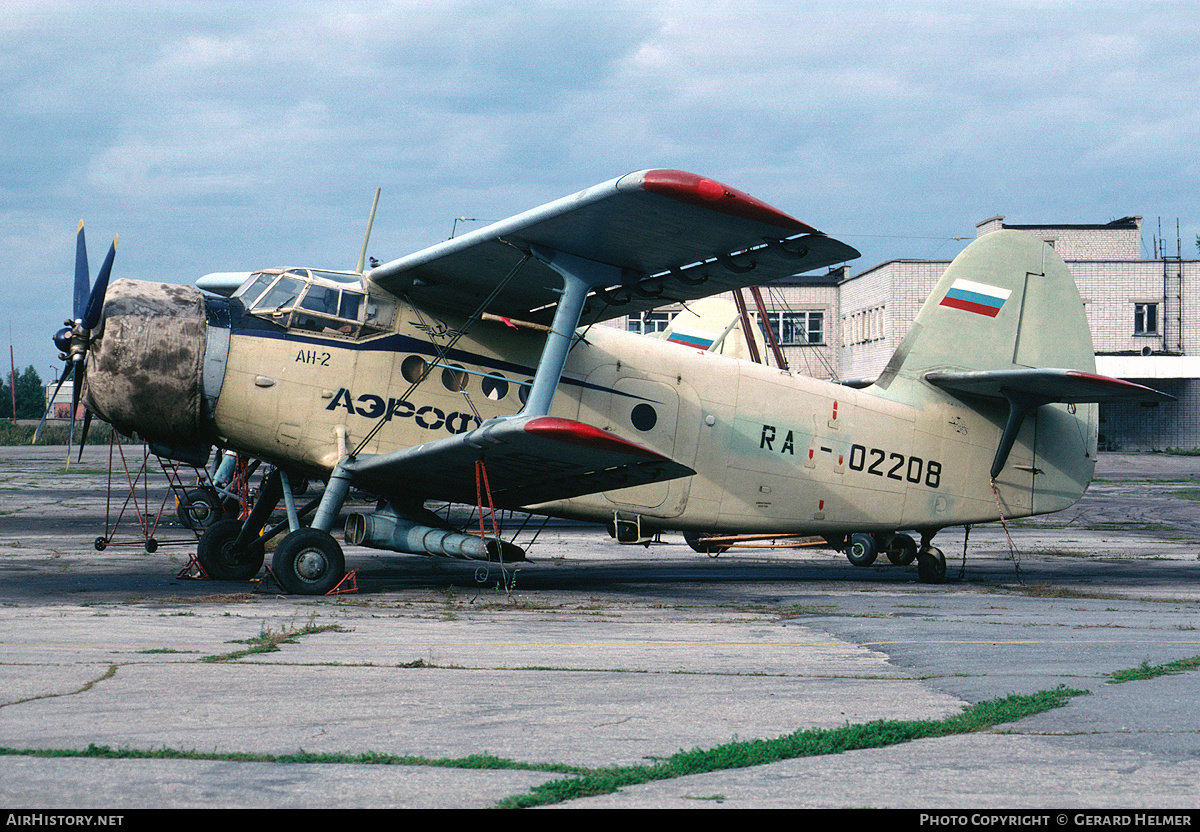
399, 380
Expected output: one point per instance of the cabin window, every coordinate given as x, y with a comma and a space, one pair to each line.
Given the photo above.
330, 303
454, 378
413, 369
494, 386
252, 290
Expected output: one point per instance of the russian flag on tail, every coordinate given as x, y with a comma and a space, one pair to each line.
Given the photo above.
980, 298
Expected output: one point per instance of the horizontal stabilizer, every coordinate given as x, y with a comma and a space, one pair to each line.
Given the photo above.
860, 383
1025, 389
531, 459
1045, 385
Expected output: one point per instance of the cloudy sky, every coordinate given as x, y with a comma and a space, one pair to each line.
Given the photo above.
217, 136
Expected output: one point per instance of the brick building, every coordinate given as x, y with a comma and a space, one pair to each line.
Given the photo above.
1144, 316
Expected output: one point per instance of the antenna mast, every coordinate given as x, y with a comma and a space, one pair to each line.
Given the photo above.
362, 257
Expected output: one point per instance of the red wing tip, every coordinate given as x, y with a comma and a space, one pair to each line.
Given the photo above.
1115, 382
579, 433
709, 193
1131, 386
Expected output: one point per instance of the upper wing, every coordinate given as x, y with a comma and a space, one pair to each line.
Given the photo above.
674, 236
529, 460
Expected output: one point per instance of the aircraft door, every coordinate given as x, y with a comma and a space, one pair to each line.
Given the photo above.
645, 411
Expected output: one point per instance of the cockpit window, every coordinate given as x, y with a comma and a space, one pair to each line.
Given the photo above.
333, 310
253, 289
280, 297
330, 303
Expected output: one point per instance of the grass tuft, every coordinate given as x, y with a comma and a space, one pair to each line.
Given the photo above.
1147, 671
810, 742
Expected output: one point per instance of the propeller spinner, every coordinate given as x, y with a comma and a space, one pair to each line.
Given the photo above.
75, 336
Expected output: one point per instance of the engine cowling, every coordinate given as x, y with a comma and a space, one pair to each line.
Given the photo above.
145, 363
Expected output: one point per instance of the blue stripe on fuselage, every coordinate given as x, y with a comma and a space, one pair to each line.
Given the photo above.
397, 343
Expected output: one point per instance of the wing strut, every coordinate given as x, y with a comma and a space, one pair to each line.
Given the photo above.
580, 276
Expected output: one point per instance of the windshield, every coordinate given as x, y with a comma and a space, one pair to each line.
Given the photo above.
280, 296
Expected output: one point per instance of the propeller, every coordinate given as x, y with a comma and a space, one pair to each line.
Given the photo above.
75, 336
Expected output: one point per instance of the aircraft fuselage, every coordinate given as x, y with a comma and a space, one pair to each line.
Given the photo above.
772, 451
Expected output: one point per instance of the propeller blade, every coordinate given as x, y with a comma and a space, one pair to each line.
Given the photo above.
76, 391
83, 279
49, 407
95, 304
71, 439
87, 423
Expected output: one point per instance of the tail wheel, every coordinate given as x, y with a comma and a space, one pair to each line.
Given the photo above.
862, 550
903, 550
308, 562
931, 566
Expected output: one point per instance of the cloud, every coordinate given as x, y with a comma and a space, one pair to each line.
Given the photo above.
218, 135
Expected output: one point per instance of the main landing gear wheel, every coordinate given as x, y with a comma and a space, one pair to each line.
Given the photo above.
308, 562
903, 550
931, 566
862, 549
220, 560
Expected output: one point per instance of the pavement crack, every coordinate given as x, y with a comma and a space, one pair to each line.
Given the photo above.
108, 674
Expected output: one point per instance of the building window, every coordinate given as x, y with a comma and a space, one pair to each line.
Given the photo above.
797, 328
864, 327
649, 323
1145, 319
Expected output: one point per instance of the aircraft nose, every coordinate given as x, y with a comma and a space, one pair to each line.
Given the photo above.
145, 363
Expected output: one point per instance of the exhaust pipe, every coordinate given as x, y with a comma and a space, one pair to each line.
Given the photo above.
385, 530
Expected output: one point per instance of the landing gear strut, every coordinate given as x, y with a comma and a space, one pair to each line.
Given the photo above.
308, 561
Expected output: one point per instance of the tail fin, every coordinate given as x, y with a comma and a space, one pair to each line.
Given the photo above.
1006, 324
1006, 302
715, 325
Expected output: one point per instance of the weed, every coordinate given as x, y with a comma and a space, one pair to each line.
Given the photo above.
268, 641
1147, 671
582, 782
164, 650
805, 743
